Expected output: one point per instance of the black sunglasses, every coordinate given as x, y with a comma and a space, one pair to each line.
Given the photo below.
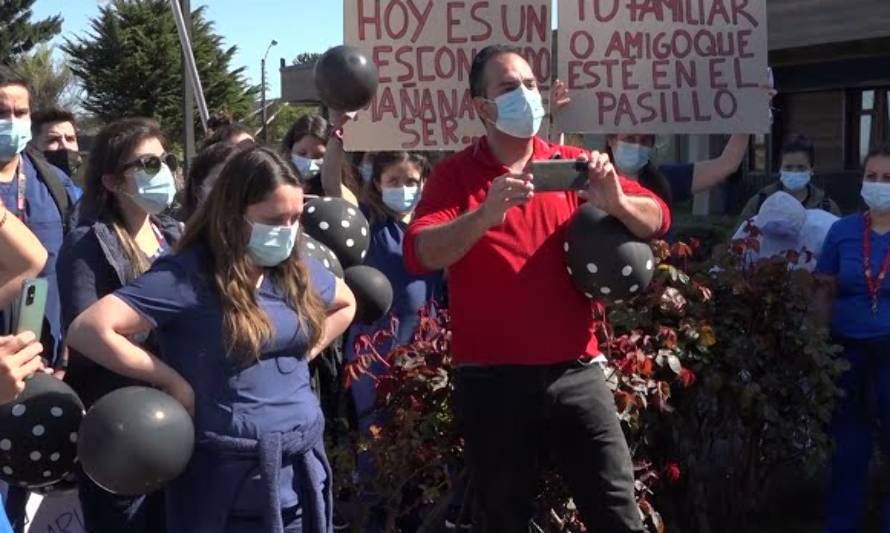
151, 164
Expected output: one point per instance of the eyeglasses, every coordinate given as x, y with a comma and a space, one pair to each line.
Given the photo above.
151, 164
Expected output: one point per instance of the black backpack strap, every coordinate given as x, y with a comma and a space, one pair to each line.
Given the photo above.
826, 204
761, 197
50, 178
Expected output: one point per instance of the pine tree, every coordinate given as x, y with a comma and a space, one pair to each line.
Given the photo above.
130, 64
18, 35
52, 83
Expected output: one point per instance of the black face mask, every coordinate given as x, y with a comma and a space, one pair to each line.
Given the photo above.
67, 160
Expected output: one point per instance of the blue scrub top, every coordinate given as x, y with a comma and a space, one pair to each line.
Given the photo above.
271, 395
4, 522
43, 218
841, 257
410, 292
680, 178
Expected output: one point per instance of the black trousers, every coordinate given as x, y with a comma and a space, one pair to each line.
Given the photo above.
509, 415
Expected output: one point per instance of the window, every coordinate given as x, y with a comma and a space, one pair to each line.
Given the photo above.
869, 121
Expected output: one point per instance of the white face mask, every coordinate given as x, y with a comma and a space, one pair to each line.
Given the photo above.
795, 181
520, 112
630, 158
876, 196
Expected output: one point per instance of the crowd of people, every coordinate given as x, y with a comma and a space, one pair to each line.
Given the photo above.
200, 290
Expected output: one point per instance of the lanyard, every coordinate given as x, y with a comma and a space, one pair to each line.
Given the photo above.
20, 192
874, 283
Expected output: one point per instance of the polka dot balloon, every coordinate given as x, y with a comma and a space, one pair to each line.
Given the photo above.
340, 226
38, 434
604, 259
310, 247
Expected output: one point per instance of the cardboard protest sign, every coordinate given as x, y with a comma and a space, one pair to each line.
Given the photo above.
57, 513
664, 66
424, 50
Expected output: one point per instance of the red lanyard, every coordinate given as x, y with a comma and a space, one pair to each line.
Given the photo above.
20, 192
874, 283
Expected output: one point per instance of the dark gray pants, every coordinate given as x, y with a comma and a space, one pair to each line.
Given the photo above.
510, 414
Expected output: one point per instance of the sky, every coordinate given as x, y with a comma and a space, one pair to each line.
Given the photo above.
298, 26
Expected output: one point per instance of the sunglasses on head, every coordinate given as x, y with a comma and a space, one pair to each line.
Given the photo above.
151, 164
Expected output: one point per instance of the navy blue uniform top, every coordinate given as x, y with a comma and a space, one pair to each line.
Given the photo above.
680, 178
410, 292
92, 263
232, 398
43, 218
841, 257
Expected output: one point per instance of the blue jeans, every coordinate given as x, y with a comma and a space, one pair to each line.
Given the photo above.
864, 408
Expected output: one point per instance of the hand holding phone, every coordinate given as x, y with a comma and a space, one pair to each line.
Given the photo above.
31, 308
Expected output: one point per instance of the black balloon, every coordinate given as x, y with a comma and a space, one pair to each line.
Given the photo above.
39, 432
346, 78
604, 259
310, 247
373, 293
134, 440
340, 226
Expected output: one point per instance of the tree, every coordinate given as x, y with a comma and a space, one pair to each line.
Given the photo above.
307, 58
130, 64
52, 82
18, 35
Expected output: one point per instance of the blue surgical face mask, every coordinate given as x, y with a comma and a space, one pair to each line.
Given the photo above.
14, 137
271, 245
366, 170
876, 196
630, 158
401, 199
520, 112
154, 192
308, 167
795, 181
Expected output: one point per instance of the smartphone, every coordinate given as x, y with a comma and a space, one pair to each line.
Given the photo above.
31, 307
559, 175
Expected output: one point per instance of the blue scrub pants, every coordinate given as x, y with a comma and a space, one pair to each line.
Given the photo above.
864, 408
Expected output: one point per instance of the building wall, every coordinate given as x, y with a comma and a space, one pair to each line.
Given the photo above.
821, 117
801, 23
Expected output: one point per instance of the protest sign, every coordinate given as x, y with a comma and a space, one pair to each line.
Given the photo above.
664, 66
423, 50
56, 513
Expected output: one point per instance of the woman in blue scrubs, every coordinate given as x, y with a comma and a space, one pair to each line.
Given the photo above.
120, 232
238, 315
856, 259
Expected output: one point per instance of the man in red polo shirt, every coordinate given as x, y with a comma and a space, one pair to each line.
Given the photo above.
523, 336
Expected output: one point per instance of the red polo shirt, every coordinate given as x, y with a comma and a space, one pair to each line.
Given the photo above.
511, 300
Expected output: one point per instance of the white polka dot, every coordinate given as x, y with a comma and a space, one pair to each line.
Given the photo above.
588, 295
569, 270
364, 253
344, 223
56, 412
351, 212
649, 265
7, 470
55, 457
35, 456
627, 271
5, 445
47, 473
311, 209
72, 437
326, 199
310, 245
327, 264
634, 289
350, 243
331, 253
323, 226
364, 231
606, 290
618, 302
565, 246
592, 268
18, 410
38, 430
